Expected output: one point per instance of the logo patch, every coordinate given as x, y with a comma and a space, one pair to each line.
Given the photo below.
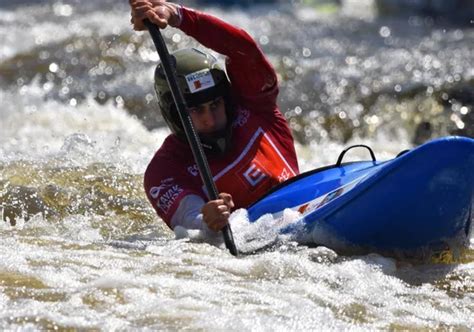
200, 80
241, 119
284, 175
165, 184
168, 198
254, 175
193, 170
321, 201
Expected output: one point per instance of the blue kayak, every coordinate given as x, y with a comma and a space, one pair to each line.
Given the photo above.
422, 199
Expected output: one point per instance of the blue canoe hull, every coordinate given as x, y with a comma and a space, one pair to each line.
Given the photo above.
421, 199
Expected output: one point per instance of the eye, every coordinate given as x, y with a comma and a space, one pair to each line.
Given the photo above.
216, 102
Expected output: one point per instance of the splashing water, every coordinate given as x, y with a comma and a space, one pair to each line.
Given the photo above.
80, 247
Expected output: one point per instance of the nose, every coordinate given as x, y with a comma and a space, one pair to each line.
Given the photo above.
208, 118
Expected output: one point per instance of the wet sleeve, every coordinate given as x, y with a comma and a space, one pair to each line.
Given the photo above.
252, 76
166, 191
188, 214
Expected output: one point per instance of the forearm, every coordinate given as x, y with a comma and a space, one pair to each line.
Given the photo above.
188, 214
249, 70
218, 35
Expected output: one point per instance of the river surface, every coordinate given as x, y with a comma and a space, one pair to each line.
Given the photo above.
80, 247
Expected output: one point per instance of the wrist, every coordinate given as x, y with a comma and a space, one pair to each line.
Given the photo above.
206, 230
177, 15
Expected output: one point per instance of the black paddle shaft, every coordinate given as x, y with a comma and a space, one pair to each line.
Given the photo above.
191, 134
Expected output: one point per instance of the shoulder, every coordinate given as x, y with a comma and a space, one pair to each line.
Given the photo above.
171, 160
249, 115
173, 150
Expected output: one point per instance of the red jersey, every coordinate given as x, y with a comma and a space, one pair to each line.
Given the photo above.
261, 152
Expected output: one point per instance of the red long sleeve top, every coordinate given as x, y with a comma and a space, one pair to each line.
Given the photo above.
262, 151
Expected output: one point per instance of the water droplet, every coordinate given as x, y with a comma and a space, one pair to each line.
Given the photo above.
458, 34
149, 97
351, 60
48, 86
53, 67
384, 32
264, 40
119, 100
44, 55
176, 38
65, 90
62, 9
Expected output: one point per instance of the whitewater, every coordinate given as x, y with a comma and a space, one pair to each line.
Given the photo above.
80, 247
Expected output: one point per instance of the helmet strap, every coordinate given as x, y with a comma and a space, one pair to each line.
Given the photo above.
217, 143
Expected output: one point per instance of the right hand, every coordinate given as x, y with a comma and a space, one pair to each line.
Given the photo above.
216, 213
159, 12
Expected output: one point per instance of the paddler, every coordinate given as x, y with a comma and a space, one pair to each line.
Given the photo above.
246, 139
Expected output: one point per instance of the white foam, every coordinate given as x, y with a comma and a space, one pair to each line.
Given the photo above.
33, 128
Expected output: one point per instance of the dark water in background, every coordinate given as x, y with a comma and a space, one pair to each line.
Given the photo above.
342, 75
79, 124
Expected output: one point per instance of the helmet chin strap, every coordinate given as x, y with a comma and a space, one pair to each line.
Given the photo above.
222, 143
216, 143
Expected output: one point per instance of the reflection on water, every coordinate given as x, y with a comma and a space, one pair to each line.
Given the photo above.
341, 77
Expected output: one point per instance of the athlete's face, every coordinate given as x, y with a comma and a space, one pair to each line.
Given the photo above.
209, 117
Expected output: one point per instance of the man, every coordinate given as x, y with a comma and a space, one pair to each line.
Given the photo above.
246, 139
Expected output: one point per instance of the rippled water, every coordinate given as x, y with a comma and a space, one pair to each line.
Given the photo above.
81, 248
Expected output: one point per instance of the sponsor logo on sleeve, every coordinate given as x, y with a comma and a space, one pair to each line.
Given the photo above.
166, 194
166, 200
193, 170
241, 118
166, 183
